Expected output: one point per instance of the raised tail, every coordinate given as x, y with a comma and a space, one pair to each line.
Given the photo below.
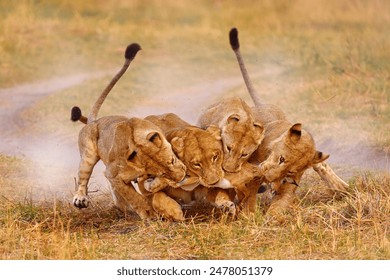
235, 44
130, 53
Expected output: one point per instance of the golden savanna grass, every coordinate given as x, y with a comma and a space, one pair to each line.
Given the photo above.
319, 226
326, 63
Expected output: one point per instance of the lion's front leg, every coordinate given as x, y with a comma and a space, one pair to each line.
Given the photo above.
283, 198
247, 183
153, 185
222, 199
128, 198
247, 196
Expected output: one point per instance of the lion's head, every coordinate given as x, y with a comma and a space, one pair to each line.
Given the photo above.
201, 151
240, 137
290, 155
240, 134
139, 144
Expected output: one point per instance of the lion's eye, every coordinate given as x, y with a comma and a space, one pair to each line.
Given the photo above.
281, 160
197, 165
215, 158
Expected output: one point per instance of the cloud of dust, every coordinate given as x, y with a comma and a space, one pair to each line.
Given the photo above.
351, 151
54, 166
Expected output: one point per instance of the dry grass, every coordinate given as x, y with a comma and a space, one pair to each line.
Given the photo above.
320, 226
334, 77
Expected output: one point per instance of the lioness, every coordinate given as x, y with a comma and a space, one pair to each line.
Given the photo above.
287, 150
241, 135
129, 148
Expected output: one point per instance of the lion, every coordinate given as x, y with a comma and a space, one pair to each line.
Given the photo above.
130, 148
241, 134
287, 150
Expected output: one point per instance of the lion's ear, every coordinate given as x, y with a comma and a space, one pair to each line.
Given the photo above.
215, 131
155, 138
295, 132
178, 146
319, 157
233, 118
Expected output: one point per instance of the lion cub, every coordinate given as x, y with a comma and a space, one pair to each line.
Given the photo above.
129, 148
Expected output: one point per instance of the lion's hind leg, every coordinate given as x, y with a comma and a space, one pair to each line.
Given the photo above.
87, 163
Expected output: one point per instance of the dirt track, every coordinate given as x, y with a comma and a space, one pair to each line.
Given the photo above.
55, 157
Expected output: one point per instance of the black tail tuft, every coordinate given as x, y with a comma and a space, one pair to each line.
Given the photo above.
233, 37
132, 50
75, 114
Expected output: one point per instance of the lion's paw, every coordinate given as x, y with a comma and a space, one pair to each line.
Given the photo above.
155, 184
80, 201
